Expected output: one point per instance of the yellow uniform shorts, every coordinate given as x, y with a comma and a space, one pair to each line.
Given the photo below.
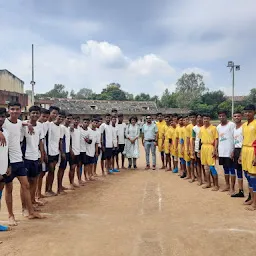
180, 155
186, 156
167, 147
160, 145
247, 159
206, 155
173, 151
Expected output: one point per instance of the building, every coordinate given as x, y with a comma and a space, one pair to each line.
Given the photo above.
12, 89
237, 98
90, 108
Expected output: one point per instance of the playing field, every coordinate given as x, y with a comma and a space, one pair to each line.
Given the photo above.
135, 213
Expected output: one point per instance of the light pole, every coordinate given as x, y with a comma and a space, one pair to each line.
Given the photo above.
32, 81
233, 67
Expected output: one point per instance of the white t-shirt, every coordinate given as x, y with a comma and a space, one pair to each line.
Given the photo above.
238, 137
32, 142
54, 136
121, 133
107, 131
4, 154
90, 149
75, 136
115, 135
84, 134
14, 132
98, 136
65, 134
196, 129
226, 139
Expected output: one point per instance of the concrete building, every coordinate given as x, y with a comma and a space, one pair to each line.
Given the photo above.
12, 89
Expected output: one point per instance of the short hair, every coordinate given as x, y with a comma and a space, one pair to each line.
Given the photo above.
62, 113
95, 120
175, 115
199, 114
45, 111
180, 117
133, 117
250, 107
158, 114
167, 116
51, 108
222, 111
34, 108
206, 115
113, 117
185, 116
86, 119
192, 113
120, 115
100, 118
107, 115
3, 111
14, 104
237, 112
77, 117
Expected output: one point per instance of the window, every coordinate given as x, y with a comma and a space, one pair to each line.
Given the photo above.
145, 108
93, 107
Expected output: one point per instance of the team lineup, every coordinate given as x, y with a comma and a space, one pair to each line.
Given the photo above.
51, 140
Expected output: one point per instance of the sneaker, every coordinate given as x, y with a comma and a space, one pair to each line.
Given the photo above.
175, 170
249, 198
129, 167
147, 167
135, 166
110, 172
153, 167
116, 170
183, 175
239, 194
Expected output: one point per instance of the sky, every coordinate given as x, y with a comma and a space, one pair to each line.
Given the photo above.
143, 45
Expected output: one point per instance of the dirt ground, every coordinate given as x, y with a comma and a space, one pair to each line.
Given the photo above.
135, 213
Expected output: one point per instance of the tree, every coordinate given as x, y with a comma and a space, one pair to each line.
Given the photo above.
251, 98
213, 98
113, 92
72, 94
57, 92
226, 105
84, 93
188, 88
129, 96
168, 99
142, 97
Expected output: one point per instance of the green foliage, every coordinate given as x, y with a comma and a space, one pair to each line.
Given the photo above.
251, 98
83, 93
57, 92
213, 98
168, 100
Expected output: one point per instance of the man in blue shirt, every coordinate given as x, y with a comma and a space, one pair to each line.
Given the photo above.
149, 132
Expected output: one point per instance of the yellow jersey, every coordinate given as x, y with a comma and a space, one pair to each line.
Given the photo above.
208, 135
249, 133
161, 127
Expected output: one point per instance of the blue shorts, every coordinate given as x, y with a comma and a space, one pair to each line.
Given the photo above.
17, 169
64, 162
53, 159
32, 168
74, 160
90, 160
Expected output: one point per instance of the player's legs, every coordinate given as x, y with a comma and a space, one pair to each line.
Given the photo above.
183, 172
135, 163
227, 178
72, 176
153, 151
232, 181
9, 203
50, 178
129, 163
215, 178
192, 169
207, 177
147, 147
39, 185
162, 159
168, 162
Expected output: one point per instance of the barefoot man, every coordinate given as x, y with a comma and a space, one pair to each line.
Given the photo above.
208, 136
160, 126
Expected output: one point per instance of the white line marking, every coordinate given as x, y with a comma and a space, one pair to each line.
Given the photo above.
159, 197
236, 230
143, 199
59, 214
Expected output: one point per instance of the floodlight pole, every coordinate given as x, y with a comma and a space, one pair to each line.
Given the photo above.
32, 81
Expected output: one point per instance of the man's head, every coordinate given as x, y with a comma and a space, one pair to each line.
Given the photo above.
76, 121
14, 109
159, 117
3, 114
249, 112
86, 123
175, 118
223, 116
199, 119
44, 115
120, 118
54, 111
108, 118
237, 117
133, 120
192, 117
113, 120
99, 122
185, 120
206, 119
94, 123
68, 119
180, 120
167, 119
60, 117
114, 112
149, 119
34, 113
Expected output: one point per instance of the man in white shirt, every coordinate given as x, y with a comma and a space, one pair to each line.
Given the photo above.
54, 150
107, 142
115, 144
13, 126
66, 137
92, 148
238, 142
42, 166
98, 124
31, 144
3, 159
121, 126
225, 148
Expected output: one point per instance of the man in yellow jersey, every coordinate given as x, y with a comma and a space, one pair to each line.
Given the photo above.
189, 129
174, 152
186, 147
208, 136
160, 126
168, 130
248, 154
179, 146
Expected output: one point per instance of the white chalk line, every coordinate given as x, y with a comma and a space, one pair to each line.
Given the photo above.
143, 199
159, 194
231, 230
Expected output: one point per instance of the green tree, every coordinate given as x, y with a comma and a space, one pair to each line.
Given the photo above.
72, 94
213, 97
84, 93
142, 97
226, 105
251, 98
189, 88
57, 92
113, 92
168, 100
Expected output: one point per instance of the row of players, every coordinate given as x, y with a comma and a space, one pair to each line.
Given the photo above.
31, 149
196, 143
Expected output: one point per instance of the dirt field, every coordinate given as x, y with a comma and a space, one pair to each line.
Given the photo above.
135, 213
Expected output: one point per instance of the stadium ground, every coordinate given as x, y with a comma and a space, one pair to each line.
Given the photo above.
135, 213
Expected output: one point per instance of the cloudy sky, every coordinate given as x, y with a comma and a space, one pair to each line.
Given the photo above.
144, 45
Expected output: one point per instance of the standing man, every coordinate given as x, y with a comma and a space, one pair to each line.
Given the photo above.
115, 144
160, 126
248, 155
225, 148
149, 141
238, 142
167, 137
121, 126
173, 147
